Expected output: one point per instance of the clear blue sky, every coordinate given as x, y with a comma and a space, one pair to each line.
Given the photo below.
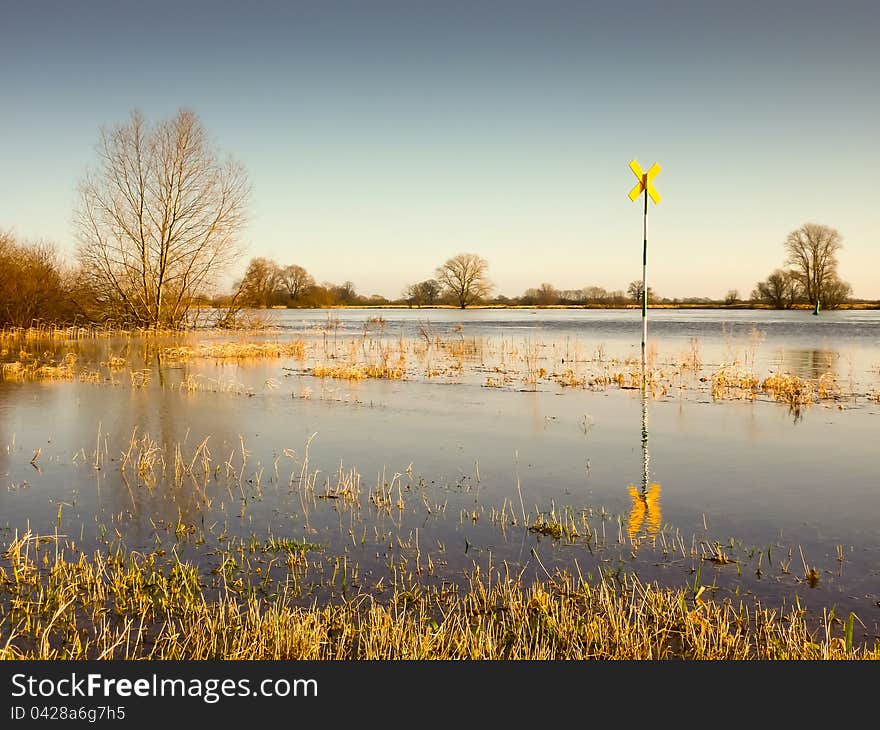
383, 137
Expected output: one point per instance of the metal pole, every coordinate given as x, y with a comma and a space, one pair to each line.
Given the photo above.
645, 287
645, 463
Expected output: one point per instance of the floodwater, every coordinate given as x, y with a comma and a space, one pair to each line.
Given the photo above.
476, 435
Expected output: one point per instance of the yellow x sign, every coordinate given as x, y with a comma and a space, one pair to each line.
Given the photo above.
645, 179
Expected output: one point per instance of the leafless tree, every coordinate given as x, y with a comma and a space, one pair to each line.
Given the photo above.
635, 291
429, 291
780, 290
296, 280
812, 253
260, 283
158, 219
548, 294
594, 294
33, 285
422, 293
465, 279
344, 293
543, 296
835, 293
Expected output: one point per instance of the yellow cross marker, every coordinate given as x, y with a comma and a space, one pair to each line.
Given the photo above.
646, 186
644, 181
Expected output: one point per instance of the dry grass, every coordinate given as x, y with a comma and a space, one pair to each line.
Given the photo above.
733, 381
79, 332
45, 368
501, 362
737, 382
144, 606
237, 351
569, 379
797, 391
359, 371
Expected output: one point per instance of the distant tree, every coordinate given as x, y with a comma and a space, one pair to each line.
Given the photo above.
542, 296
429, 291
835, 293
295, 280
345, 293
330, 294
158, 220
410, 295
547, 294
595, 294
464, 278
635, 291
780, 290
318, 295
812, 253
260, 283
732, 296
423, 293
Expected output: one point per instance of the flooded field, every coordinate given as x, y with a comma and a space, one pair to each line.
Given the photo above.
393, 445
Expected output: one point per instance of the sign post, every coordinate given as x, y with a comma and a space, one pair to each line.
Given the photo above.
644, 185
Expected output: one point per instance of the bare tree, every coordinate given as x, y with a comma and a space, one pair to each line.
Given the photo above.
732, 296
260, 283
780, 290
835, 293
344, 293
548, 294
296, 280
543, 296
158, 219
812, 252
424, 292
635, 291
465, 278
429, 291
594, 294
33, 286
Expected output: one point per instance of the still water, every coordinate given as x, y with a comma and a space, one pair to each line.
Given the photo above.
474, 440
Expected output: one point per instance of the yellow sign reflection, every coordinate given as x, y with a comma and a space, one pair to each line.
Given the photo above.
645, 513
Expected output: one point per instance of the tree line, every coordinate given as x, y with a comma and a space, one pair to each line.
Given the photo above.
463, 281
159, 219
460, 281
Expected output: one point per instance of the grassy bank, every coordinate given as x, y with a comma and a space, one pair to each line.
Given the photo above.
115, 605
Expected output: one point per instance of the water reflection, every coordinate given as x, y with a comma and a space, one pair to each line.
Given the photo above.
808, 362
646, 516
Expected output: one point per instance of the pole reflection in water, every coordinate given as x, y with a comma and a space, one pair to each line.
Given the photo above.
645, 512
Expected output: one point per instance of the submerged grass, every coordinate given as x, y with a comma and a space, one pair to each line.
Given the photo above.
119, 605
359, 371
237, 351
46, 368
495, 362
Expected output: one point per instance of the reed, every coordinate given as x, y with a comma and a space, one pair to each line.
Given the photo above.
56, 603
359, 371
237, 351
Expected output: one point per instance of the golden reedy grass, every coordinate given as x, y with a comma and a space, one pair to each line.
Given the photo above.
237, 351
359, 371
139, 606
